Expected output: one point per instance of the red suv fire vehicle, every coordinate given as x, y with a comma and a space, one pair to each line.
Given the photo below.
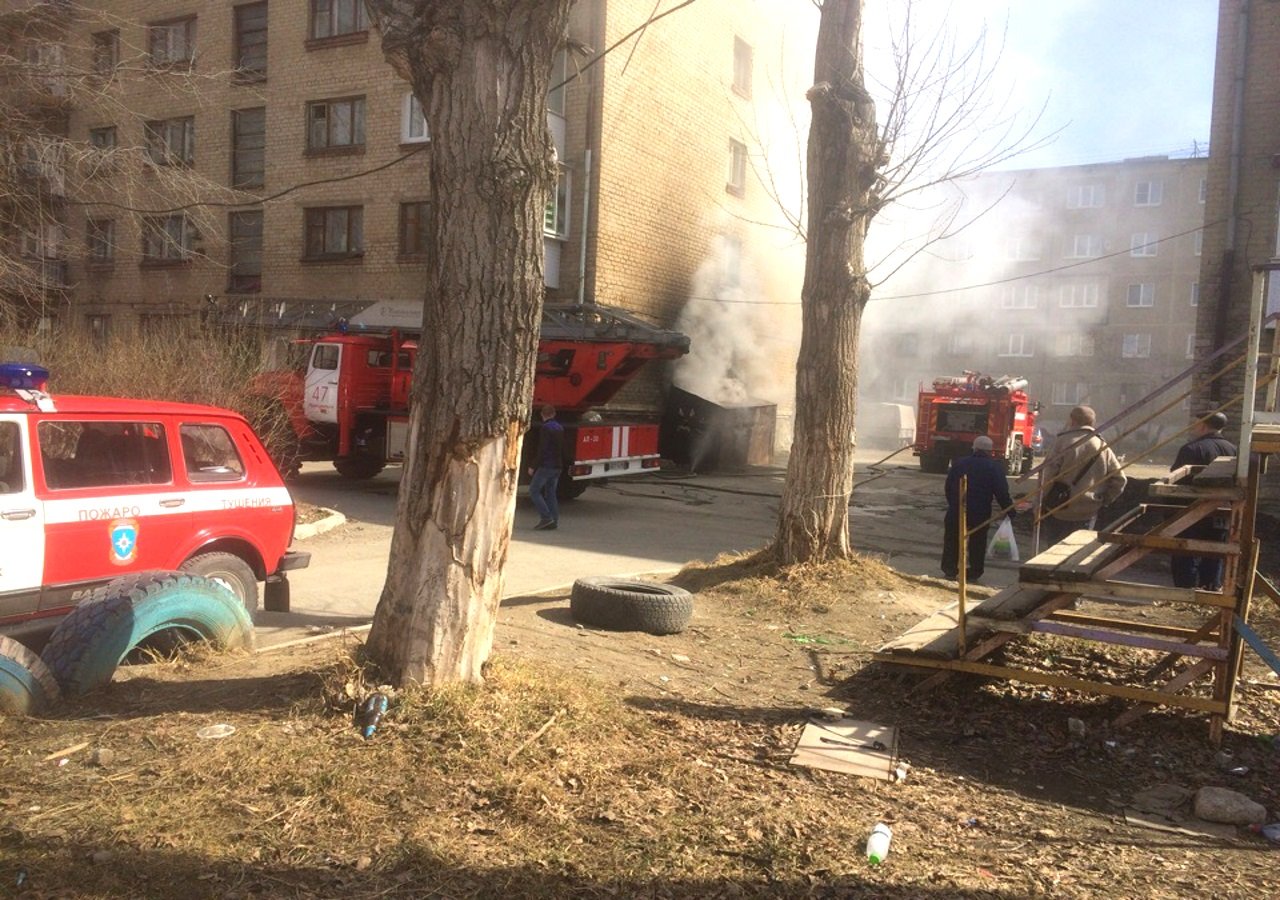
92, 488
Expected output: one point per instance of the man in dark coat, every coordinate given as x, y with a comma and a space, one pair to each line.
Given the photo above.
548, 461
987, 482
1206, 445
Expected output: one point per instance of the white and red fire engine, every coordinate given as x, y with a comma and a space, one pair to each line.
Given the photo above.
351, 403
95, 487
959, 408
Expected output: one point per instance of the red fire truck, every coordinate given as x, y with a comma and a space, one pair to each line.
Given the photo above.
959, 408
351, 402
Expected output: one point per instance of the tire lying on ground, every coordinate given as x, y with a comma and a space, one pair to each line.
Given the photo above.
26, 684
628, 605
162, 609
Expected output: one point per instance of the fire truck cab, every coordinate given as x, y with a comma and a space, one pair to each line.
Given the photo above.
957, 409
92, 488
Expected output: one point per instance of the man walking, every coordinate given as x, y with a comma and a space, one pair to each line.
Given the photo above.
1206, 445
987, 482
548, 460
1086, 471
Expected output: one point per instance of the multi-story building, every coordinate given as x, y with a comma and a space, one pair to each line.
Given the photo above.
1082, 279
265, 150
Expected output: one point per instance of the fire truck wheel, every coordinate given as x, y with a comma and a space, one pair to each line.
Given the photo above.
1028, 461
144, 609
230, 571
26, 684
567, 489
626, 605
358, 468
934, 464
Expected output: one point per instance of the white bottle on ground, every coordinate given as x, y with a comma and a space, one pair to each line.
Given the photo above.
878, 844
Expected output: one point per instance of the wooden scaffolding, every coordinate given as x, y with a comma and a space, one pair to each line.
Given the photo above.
1090, 564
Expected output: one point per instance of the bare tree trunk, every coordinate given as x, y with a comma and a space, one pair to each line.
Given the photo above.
482, 72
843, 157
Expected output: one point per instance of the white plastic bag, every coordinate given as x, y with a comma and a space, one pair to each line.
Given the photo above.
1002, 542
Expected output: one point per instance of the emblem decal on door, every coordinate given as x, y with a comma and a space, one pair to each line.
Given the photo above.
124, 541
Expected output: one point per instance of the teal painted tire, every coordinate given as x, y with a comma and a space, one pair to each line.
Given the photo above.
161, 608
27, 686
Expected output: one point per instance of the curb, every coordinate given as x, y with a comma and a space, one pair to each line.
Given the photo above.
328, 523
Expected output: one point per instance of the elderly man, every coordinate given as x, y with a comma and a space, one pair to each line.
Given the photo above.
987, 482
1206, 445
1082, 463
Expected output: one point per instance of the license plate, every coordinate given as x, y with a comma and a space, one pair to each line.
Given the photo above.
615, 466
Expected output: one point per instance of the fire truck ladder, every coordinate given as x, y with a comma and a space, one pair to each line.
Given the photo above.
1202, 655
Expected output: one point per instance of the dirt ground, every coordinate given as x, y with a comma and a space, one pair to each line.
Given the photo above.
605, 764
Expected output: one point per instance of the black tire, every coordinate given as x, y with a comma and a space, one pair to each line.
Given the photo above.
231, 572
934, 464
359, 468
145, 609
568, 489
1028, 461
626, 605
27, 686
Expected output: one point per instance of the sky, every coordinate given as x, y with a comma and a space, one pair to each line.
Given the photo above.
1118, 78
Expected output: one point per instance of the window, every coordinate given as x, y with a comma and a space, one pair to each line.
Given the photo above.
737, 168
1086, 196
1078, 296
1020, 296
741, 67
210, 454
1069, 344
1143, 243
559, 75
102, 454
1085, 246
1191, 345
1016, 345
244, 233
1022, 248
251, 42
172, 43
99, 326
248, 147
1203, 190
167, 238
555, 218
103, 138
12, 480
48, 67
1069, 393
413, 228
334, 232
106, 51
413, 121
1136, 346
1195, 293
960, 343
171, 142
331, 18
326, 357
1141, 295
334, 124
101, 240
1197, 242
1148, 193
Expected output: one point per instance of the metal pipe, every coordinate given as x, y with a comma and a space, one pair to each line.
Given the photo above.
962, 564
586, 213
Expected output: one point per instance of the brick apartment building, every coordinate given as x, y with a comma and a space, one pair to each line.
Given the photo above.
1082, 279
1241, 209
315, 155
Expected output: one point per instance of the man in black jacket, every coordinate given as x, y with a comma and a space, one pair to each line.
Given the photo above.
987, 482
1206, 445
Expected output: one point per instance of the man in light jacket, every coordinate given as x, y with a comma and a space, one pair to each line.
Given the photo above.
1081, 461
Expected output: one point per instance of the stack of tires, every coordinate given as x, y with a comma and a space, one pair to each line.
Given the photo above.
146, 611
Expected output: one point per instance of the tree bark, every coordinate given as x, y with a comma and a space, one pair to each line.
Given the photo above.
481, 72
844, 155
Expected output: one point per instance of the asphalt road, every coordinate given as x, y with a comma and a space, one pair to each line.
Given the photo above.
650, 524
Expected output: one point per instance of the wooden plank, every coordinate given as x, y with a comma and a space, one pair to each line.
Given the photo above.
1074, 559
1258, 645
1183, 545
1052, 679
1203, 633
1177, 475
936, 635
1191, 492
1078, 618
1177, 683
1063, 629
1133, 590
1013, 602
1266, 438
1219, 473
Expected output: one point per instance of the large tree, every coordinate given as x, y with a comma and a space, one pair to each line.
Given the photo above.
481, 72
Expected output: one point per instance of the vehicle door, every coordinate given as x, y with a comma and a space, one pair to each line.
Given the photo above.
21, 522
320, 391
111, 503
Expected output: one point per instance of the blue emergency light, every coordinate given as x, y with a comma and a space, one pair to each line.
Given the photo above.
23, 377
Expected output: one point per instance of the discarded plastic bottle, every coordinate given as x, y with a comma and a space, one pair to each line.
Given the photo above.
1270, 832
878, 844
370, 712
